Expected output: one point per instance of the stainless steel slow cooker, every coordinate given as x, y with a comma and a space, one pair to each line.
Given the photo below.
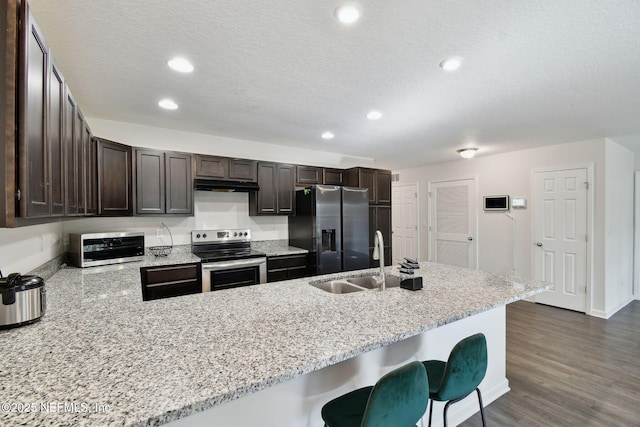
23, 300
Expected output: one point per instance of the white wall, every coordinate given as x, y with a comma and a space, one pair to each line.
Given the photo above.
23, 249
175, 140
619, 214
511, 173
212, 211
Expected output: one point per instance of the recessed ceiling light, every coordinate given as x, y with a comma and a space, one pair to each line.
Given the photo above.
467, 153
347, 14
181, 65
328, 135
374, 115
451, 64
168, 104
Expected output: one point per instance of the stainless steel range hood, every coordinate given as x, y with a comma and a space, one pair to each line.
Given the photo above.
226, 186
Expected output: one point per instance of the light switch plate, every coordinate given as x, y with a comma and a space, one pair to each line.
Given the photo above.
518, 203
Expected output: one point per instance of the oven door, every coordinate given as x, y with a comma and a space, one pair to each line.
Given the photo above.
219, 275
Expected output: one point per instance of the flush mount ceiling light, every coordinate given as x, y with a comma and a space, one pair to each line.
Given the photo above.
374, 115
168, 104
451, 64
467, 153
347, 14
328, 135
181, 65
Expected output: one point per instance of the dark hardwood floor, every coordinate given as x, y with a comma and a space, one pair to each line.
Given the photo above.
569, 369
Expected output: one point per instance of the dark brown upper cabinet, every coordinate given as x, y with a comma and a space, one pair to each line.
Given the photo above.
308, 175
55, 139
34, 167
8, 111
243, 170
376, 180
212, 166
226, 168
164, 183
90, 171
69, 153
383, 187
332, 176
113, 178
277, 190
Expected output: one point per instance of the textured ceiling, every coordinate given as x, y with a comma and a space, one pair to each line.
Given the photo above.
534, 72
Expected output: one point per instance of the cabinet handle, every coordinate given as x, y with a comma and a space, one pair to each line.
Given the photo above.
539, 244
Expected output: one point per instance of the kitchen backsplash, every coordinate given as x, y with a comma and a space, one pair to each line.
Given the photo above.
213, 210
24, 249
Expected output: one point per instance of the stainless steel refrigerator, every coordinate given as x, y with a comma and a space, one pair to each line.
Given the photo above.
332, 223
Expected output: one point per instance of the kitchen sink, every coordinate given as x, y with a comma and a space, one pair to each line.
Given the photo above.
368, 282
355, 284
337, 287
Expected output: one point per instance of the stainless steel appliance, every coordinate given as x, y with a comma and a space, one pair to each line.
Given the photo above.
92, 249
227, 259
23, 300
332, 223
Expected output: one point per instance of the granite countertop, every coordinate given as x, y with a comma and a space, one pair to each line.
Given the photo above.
277, 248
111, 359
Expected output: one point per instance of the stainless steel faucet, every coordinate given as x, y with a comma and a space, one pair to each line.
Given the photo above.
378, 253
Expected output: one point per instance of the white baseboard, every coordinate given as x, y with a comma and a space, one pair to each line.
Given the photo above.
607, 314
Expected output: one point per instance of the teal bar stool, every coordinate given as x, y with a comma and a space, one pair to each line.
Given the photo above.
460, 375
398, 399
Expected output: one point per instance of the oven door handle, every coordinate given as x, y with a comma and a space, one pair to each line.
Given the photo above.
232, 264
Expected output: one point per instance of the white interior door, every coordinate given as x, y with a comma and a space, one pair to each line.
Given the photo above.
560, 236
404, 214
453, 223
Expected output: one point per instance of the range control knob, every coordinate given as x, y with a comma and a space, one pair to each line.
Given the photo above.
198, 236
235, 234
246, 234
204, 236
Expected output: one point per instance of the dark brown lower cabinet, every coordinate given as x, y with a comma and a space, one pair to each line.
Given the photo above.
165, 281
286, 267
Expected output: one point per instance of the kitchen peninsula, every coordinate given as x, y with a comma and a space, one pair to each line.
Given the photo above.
246, 356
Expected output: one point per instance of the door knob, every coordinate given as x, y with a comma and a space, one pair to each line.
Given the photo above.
469, 238
539, 244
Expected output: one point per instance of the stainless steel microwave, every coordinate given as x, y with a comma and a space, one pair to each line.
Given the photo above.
92, 249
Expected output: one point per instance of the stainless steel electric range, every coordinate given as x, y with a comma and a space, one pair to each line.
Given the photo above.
227, 259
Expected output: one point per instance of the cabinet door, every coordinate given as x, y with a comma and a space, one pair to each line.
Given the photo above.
71, 161
89, 170
114, 178
367, 179
380, 219
332, 176
264, 201
308, 175
179, 183
212, 166
150, 182
55, 139
286, 189
80, 158
242, 170
33, 105
383, 223
383, 187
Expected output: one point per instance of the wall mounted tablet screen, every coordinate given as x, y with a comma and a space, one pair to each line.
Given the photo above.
496, 203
